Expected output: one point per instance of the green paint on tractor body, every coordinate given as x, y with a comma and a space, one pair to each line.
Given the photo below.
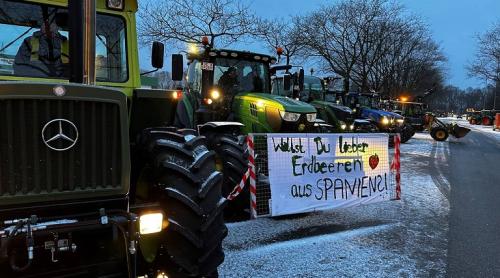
229, 85
119, 84
260, 112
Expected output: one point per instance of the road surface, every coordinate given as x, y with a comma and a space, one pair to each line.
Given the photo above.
474, 234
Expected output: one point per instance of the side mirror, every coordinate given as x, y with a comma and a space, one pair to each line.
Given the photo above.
301, 79
177, 67
157, 54
287, 82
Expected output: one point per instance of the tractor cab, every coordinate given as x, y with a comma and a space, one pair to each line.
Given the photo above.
80, 164
414, 112
235, 86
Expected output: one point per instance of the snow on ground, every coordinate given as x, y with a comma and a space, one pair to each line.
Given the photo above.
406, 238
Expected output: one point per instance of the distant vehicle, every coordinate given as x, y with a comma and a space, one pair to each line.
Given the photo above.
414, 113
328, 104
368, 106
475, 118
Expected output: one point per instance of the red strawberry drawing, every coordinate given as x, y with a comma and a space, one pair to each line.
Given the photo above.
373, 161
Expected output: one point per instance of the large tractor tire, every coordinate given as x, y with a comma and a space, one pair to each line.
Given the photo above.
180, 174
439, 134
232, 159
407, 133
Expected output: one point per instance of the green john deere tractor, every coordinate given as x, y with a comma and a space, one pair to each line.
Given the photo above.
331, 108
227, 96
331, 117
95, 180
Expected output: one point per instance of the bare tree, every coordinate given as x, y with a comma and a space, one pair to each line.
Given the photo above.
280, 33
187, 21
341, 36
372, 44
487, 61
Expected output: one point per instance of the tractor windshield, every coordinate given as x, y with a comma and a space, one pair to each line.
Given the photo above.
313, 89
34, 43
414, 109
368, 101
238, 76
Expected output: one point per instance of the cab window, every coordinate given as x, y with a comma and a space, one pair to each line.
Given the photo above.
34, 43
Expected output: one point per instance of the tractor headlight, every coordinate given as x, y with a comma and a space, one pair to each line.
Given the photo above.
311, 117
385, 120
289, 116
214, 94
343, 126
400, 121
150, 223
351, 127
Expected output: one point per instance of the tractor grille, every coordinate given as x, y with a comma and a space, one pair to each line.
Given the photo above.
29, 168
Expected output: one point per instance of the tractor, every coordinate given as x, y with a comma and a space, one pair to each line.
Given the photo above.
95, 178
488, 117
227, 96
368, 106
414, 113
475, 118
328, 104
440, 130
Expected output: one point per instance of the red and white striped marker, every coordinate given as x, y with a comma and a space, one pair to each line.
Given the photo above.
250, 173
253, 185
238, 188
396, 165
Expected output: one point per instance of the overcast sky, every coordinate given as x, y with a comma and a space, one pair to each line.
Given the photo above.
453, 23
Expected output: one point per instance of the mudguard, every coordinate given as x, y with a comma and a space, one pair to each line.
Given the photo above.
226, 126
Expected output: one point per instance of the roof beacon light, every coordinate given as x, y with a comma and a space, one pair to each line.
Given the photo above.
115, 4
279, 51
204, 40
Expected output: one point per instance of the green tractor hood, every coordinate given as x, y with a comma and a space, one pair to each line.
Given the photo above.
260, 112
280, 102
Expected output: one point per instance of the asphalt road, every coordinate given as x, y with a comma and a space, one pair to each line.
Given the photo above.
472, 168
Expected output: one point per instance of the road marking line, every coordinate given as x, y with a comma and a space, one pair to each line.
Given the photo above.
440, 161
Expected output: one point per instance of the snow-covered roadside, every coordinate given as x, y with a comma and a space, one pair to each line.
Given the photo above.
399, 238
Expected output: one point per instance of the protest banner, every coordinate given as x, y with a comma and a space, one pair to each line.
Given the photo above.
309, 172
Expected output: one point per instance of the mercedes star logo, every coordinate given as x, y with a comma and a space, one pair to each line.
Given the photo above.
60, 135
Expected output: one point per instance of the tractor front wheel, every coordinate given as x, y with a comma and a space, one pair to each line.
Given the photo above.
232, 160
407, 133
179, 173
439, 134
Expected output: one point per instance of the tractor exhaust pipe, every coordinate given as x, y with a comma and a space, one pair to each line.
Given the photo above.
82, 18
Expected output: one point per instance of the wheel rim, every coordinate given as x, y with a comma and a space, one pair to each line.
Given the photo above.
440, 134
219, 165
